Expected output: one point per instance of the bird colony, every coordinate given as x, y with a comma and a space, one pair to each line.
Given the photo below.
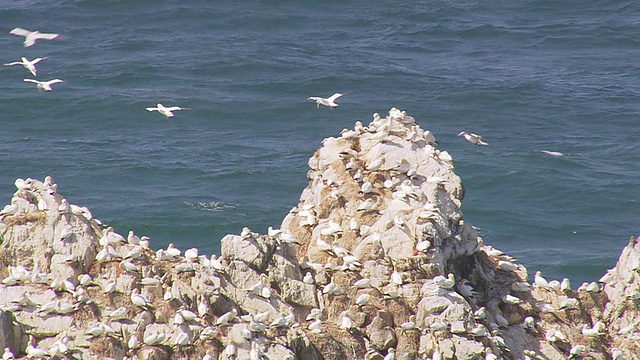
375, 262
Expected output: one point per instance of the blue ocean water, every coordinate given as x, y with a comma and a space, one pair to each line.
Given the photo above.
527, 75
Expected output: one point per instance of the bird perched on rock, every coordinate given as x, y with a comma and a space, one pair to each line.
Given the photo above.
472, 138
328, 102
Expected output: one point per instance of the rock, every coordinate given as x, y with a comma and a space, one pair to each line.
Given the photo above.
383, 207
10, 332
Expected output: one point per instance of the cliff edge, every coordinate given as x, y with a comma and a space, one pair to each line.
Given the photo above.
375, 262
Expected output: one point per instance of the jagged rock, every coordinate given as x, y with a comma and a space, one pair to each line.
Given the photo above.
10, 332
382, 241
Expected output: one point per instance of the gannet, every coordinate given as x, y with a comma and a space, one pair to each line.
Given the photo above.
172, 251
166, 111
7, 354
139, 299
29, 65
539, 281
44, 85
225, 318
30, 37
132, 238
363, 300
133, 342
191, 254
552, 153
472, 138
119, 313
10, 209
362, 283
391, 354
329, 102
510, 299
308, 278
445, 283
593, 287
409, 325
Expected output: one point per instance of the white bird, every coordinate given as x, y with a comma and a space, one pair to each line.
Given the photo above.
7, 354
225, 318
576, 350
593, 287
552, 153
409, 325
44, 85
540, 281
445, 283
230, 349
362, 283
191, 254
172, 251
472, 138
391, 354
30, 37
510, 299
133, 342
329, 102
565, 285
34, 352
29, 65
363, 300
139, 299
507, 265
308, 278
182, 339
166, 111
119, 313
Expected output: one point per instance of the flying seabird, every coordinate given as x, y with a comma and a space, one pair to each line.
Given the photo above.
329, 102
472, 138
166, 111
29, 65
44, 85
30, 37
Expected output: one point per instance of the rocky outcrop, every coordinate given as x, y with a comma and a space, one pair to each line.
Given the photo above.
375, 262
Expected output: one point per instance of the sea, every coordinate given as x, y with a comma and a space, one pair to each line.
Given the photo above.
526, 75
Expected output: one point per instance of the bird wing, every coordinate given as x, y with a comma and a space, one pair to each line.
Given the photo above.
174, 108
152, 109
47, 36
31, 80
20, 32
13, 63
314, 98
334, 96
54, 81
37, 60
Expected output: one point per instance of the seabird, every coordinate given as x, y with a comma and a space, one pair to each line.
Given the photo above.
29, 65
409, 325
30, 37
7, 354
472, 138
44, 85
552, 153
166, 111
308, 278
363, 300
139, 299
539, 281
329, 102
